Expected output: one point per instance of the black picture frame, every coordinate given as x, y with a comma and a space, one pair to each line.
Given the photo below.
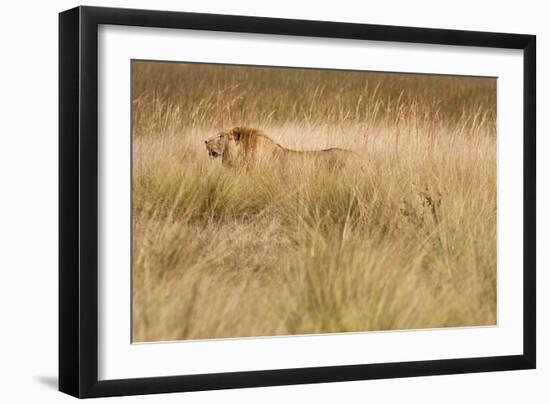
78, 201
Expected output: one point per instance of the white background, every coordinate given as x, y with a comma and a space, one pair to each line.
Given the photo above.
28, 202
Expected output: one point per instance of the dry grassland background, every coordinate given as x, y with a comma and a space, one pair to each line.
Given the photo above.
409, 242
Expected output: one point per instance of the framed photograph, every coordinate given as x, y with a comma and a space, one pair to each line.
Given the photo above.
251, 201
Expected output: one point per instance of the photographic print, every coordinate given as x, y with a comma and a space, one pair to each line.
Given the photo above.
273, 201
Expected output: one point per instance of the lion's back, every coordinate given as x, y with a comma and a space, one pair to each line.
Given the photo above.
333, 156
256, 146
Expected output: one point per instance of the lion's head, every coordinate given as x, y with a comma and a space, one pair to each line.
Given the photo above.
220, 144
223, 145
216, 145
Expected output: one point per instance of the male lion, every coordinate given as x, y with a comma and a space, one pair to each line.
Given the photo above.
242, 146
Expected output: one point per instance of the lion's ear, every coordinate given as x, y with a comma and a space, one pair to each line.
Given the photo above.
236, 134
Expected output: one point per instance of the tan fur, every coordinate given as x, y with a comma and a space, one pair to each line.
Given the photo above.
241, 146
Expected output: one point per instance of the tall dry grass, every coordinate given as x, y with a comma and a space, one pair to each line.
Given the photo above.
408, 242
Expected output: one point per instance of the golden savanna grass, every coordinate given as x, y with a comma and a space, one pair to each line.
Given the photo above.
407, 240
